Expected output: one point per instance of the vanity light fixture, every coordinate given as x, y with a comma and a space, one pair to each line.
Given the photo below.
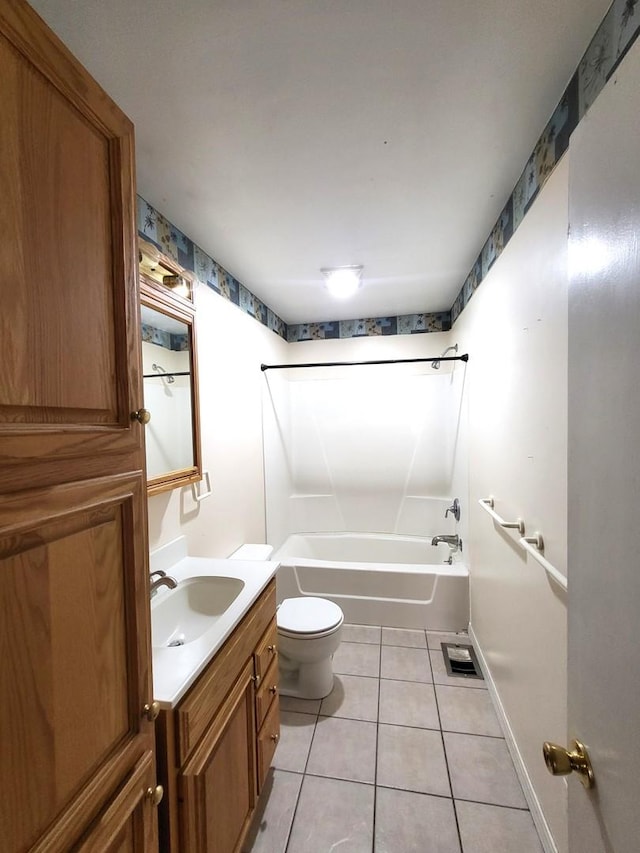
342, 282
177, 283
164, 271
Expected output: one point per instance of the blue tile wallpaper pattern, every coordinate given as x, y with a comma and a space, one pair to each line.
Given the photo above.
153, 226
168, 340
407, 324
615, 35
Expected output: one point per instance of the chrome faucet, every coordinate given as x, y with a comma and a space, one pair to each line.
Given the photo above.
162, 580
454, 541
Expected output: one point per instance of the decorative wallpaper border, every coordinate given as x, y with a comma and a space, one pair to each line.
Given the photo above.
613, 38
406, 324
615, 35
153, 226
167, 340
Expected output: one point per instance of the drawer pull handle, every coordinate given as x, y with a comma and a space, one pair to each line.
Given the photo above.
143, 416
275, 738
256, 680
155, 795
271, 649
274, 689
151, 711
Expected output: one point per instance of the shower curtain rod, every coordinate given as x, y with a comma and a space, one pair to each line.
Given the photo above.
169, 373
264, 367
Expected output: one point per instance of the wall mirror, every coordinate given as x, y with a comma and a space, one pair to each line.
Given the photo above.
169, 369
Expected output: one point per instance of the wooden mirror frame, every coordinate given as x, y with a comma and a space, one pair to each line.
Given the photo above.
178, 304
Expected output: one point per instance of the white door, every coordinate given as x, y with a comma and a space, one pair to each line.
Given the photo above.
604, 465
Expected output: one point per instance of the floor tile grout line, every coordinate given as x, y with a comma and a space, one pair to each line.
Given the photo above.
375, 766
410, 791
472, 734
496, 805
375, 771
446, 762
313, 737
293, 816
435, 683
304, 776
409, 725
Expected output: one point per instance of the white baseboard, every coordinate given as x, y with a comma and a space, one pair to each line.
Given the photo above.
546, 839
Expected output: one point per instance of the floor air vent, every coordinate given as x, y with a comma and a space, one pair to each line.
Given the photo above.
460, 660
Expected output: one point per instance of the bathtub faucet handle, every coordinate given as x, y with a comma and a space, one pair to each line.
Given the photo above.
454, 509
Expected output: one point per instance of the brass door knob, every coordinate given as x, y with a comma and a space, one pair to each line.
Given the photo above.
275, 738
271, 649
143, 416
273, 689
155, 795
561, 762
151, 711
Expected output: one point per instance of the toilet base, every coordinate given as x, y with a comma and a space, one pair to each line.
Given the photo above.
308, 681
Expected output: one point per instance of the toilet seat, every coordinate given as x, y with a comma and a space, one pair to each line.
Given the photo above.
308, 617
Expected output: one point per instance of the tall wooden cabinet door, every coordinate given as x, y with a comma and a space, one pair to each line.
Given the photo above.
69, 320
124, 825
74, 659
74, 611
217, 787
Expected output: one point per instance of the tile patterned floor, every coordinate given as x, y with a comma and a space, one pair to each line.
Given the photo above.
399, 758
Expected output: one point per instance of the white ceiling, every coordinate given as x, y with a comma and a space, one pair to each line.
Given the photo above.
284, 136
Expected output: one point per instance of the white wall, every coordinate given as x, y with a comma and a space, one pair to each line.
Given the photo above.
366, 448
231, 347
515, 329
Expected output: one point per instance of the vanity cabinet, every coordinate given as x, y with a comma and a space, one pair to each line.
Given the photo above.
216, 746
76, 745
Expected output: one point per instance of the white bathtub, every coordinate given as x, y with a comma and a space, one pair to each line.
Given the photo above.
377, 578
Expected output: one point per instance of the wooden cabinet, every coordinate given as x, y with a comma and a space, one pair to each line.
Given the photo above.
216, 746
76, 751
217, 784
128, 823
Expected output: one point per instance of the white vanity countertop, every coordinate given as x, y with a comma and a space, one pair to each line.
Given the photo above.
175, 669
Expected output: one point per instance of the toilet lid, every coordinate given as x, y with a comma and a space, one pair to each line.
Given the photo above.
308, 615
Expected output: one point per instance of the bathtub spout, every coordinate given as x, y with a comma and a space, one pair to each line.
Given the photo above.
454, 542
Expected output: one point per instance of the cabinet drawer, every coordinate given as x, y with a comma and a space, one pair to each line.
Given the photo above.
266, 693
199, 706
268, 738
266, 650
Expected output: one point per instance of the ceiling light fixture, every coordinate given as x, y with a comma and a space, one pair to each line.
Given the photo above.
342, 282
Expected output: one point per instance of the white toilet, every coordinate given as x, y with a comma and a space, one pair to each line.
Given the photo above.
309, 632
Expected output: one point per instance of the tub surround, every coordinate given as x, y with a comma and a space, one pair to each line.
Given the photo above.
362, 449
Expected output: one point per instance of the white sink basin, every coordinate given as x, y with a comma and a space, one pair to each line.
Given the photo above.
184, 614
210, 600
